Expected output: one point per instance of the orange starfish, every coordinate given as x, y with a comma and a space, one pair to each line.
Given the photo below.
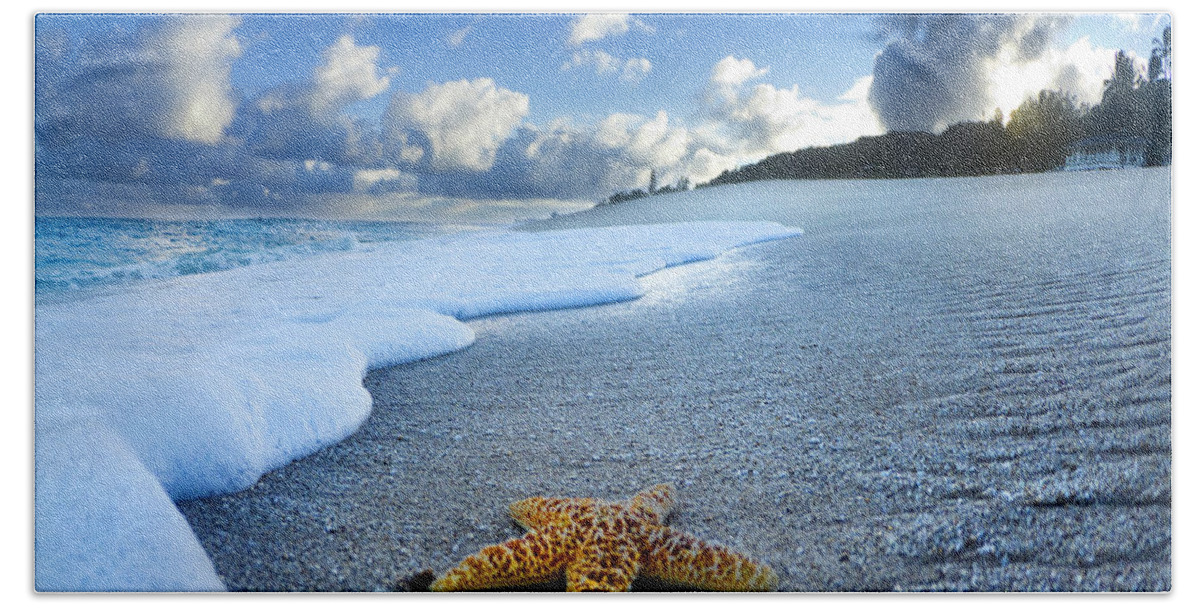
602, 546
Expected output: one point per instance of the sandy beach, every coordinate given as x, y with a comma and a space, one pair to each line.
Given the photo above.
948, 384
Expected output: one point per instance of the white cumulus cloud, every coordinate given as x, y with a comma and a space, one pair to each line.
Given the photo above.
602, 62
631, 70
348, 74
733, 72
748, 122
308, 117
859, 90
727, 76
615, 153
636, 69
742, 122
198, 51
645, 143
1078, 70
595, 26
455, 39
464, 121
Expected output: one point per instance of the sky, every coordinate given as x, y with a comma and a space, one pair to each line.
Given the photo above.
491, 117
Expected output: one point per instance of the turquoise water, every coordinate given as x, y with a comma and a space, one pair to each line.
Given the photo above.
75, 255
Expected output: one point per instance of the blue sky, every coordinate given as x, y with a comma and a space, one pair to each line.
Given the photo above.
474, 117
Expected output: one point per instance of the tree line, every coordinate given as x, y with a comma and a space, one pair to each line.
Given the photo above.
1037, 137
653, 189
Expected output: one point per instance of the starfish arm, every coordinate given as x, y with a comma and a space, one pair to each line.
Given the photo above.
679, 558
603, 566
655, 503
540, 512
534, 558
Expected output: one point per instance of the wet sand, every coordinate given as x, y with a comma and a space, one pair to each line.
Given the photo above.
941, 385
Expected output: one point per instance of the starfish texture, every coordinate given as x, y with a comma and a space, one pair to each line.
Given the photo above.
603, 546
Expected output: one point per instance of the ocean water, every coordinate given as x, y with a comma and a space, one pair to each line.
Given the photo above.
207, 354
76, 257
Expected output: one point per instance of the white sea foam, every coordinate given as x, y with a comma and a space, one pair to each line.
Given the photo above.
200, 384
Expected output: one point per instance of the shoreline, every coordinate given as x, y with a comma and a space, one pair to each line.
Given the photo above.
900, 399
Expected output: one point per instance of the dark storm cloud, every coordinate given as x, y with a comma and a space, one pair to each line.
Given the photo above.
178, 172
290, 132
166, 77
933, 70
144, 109
533, 163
